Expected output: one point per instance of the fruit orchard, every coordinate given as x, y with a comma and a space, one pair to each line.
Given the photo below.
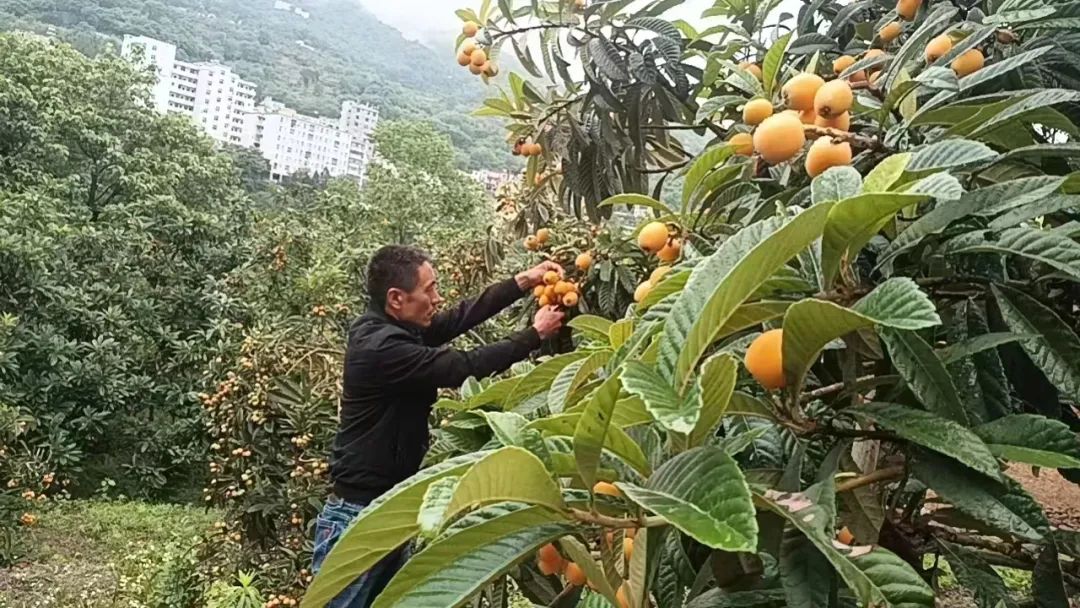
857, 308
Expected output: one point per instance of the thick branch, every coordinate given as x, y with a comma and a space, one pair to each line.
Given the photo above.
606, 521
854, 139
880, 475
830, 389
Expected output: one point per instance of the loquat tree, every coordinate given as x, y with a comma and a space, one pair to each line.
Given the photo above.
862, 315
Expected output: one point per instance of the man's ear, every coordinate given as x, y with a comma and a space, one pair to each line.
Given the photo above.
395, 298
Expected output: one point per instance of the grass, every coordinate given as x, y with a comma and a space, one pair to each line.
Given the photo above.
91, 554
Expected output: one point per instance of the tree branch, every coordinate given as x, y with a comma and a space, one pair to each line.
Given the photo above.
880, 475
860, 141
606, 521
830, 389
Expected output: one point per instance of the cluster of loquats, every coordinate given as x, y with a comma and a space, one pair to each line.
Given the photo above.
551, 562
539, 240
524, 147
657, 238
557, 292
471, 56
970, 61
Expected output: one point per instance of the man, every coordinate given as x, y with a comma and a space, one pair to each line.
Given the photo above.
395, 362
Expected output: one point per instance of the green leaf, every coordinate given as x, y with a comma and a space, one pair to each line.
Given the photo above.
1005, 507
978, 344
592, 429
592, 326
432, 511
925, 374
876, 576
853, 222
805, 573
541, 377
704, 164
770, 66
616, 441
637, 200
573, 377
1055, 250
703, 493
715, 386
1047, 206
937, 17
948, 154
747, 405
509, 474
674, 282
836, 183
884, 174
1047, 580
932, 432
451, 570
387, 523
724, 280
620, 332
1040, 99
673, 411
983, 201
1032, 439
1056, 350
977, 575
811, 324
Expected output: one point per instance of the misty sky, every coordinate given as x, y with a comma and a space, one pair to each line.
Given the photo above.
433, 21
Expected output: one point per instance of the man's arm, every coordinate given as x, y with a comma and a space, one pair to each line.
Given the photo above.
408, 363
451, 323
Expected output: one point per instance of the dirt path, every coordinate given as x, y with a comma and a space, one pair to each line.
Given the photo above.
1059, 496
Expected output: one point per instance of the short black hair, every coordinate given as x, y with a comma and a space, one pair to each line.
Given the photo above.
393, 266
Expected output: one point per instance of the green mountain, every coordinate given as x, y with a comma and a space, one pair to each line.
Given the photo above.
340, 52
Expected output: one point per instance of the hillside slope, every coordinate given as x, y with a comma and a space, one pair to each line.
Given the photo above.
341, 51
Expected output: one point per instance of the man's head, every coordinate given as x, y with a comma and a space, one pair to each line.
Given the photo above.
402, 283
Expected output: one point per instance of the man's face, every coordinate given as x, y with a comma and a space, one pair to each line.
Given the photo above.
418, 306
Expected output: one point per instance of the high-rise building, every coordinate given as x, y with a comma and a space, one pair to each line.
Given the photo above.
293, 142
211, 93
223, 104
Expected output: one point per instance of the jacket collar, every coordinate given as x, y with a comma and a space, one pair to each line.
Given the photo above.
377, 315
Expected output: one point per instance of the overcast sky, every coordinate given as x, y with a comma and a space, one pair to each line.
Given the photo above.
434, 21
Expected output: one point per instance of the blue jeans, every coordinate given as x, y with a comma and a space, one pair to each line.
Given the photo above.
331, 524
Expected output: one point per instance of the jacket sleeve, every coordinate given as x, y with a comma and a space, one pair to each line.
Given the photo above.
404, 362
451, 323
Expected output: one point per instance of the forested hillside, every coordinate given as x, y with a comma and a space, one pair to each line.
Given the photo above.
346, 53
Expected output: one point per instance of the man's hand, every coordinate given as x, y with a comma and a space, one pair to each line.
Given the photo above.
535, 275
548, 321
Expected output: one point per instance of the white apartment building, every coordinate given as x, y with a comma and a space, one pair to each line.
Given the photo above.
211, 93
293, 142
223, 104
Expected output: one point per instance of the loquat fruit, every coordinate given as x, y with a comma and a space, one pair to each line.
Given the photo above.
764, 359
800, 90
825, 153
570, 299
968, 62
757, 110
657, 275
670, 252
543, 235
779, 137
907, 8
938, 47
743, 142
470, 28
609, 489
833, 98
583, 261
575, 575
478, 57
653, 237
642, 291
841, 121
752, 68
890, 31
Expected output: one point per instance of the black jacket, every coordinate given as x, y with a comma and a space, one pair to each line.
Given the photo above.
392, 371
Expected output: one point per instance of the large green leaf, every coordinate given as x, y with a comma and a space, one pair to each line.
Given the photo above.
431, 515
616, 441
949, 153
672, 283
724, 280
806, 574
673, 411
509, 474
925, 374
1047, 206
1047, 580
715, 386
592, 428
770, 66
835, 184
884, 174
853, 222
1030, 104
1033, 440
991, 199
386, 524
703, 493
1056, 350
541, 376
592, 326
1004, 506
572, 377
978, 576
705, 163
452, 569
1051, 248
976, 345
1000, 68
933, 432
811, 324
876, 576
